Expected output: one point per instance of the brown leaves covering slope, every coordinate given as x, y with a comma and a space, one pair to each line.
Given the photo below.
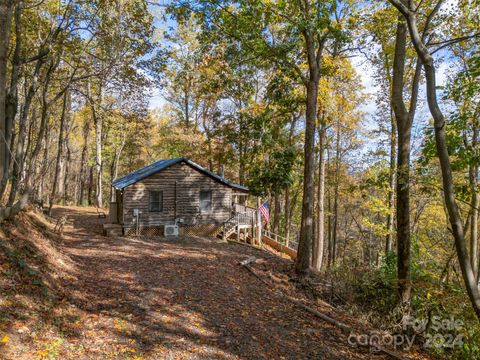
167, 299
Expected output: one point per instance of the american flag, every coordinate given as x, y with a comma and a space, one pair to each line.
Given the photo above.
265, 212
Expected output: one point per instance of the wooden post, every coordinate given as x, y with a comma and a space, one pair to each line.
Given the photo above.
174, 203
137, 232
252, 232
259, 222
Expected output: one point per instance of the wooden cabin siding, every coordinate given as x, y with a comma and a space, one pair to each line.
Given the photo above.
189, 184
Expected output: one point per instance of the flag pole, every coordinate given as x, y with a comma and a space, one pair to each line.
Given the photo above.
259, 221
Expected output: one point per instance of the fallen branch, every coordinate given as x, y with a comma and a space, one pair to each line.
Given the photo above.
9, 212
246, 264
247, 261
318, 314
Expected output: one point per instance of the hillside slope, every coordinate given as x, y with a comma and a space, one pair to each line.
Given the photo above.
33, 268
85, 296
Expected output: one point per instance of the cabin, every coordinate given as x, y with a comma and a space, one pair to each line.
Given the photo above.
179, 197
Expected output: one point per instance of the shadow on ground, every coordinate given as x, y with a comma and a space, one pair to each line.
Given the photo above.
186, 298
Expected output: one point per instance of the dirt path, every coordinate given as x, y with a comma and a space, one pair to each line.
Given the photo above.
180, 299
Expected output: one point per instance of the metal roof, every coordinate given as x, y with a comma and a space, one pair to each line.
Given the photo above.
162, 164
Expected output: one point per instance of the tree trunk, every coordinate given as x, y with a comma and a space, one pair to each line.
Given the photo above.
67, 172
391, 185
468, 275
113, 172
329, 203
83, 163
187, 108
293, 204
336, 194
90, 186
43, 118
11, 101
404, 119
241, 160
114, 167
314, 53
11, 111
288, 211
18, 159
68, 129
6, 11
11, 211
473, 178
276, 213
403, 214
318, 248
39, 189
62, 143
306, 229
58, 177
208, 136
98, 157
474, 221
20, 150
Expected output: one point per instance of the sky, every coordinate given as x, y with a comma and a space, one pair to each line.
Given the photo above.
364, 70
363, 67
422, 116
156, 100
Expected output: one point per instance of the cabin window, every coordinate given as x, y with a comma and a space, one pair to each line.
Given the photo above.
205, 201
156, 201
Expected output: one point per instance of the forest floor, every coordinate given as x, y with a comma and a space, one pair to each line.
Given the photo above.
125, 298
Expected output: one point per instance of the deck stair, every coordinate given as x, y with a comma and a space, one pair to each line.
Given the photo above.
237, 222
229, 228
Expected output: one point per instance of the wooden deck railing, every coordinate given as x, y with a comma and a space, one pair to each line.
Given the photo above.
244, 218
279, 244
243, 208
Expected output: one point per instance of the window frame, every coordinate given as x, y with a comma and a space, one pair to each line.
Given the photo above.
202, 210
160, 201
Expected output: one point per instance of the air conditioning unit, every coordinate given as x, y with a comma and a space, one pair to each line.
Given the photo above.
171, 230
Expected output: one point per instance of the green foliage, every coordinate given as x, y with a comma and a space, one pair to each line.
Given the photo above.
275, 175
233, 77
388, 269
377, 289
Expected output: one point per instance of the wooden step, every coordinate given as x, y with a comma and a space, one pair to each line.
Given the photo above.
112, 229
229, 232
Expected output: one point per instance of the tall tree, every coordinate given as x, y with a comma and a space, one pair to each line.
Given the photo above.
310, 25
6, 12
318, 246
404, 119
379, 24
409, 13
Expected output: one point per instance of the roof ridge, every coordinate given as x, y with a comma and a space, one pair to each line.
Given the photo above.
161, 164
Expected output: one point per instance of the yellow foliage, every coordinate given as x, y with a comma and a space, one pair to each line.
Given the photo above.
42, 353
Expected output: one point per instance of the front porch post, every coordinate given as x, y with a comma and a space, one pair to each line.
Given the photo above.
259, 222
